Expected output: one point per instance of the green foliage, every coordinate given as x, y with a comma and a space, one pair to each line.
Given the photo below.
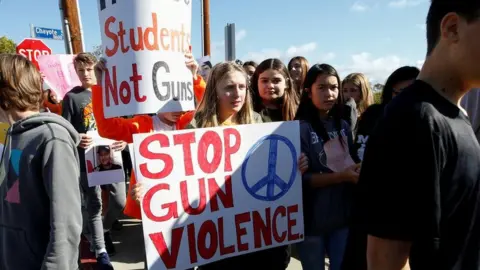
377, 96
7, 45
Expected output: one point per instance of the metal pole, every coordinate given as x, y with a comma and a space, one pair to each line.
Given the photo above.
206, 27
80, 26
32, 31
201, 17
68, 39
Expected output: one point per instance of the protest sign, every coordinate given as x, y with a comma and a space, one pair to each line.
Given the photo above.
104, 165
144, 44
59, 72
219, 192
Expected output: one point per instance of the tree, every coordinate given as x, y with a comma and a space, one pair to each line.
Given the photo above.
377, 96
7, 45
98, 51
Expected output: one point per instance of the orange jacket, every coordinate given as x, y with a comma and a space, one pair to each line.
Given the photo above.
54, 108
121, 129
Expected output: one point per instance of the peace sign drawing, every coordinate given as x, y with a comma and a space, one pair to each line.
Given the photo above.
272, 179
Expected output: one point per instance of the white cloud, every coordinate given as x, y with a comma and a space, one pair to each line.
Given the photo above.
308, 50
262, 55
376, 69
405, 3
422, 26
327, 57
359, 7
301, 50
240, 35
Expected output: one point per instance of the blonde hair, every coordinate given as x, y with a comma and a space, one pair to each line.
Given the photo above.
366, 94
207, 111
20, 84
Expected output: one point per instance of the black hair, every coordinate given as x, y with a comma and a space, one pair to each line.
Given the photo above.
207, 63
307, 110
402, 74
468, 9
103, 148
250, 63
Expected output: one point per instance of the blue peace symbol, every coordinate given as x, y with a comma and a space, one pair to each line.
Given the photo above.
271, 179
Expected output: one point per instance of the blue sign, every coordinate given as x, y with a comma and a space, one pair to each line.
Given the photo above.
47, 33
271, 180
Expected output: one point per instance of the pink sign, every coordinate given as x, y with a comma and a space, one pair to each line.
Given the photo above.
59, 72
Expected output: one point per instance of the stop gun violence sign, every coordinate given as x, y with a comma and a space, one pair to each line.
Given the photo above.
32, 48
219, 192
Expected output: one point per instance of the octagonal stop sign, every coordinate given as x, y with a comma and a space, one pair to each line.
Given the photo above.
32, 48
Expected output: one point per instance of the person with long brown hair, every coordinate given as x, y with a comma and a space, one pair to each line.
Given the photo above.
357, 86
274, 94
227, 102
298, 68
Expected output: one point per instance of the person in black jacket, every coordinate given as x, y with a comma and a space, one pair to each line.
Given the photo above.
355, 254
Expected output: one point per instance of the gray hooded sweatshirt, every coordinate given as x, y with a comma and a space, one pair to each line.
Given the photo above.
40, 208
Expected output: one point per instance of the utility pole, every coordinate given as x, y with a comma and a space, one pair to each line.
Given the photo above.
206, 27
71, 16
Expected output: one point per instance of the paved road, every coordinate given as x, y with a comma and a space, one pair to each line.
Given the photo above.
129, 245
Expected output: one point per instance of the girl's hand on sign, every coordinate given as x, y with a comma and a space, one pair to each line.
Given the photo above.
119, 146
303, 163
85, 140
137, 192
100, 68
191, 64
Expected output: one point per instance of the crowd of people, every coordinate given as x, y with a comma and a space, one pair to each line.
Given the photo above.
385, 186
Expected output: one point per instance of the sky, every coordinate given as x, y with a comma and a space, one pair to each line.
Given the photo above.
371, 36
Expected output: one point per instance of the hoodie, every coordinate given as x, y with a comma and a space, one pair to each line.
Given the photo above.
40, 208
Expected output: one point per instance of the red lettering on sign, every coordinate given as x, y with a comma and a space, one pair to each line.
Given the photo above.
209, 138
208, 229
239, 220
110, 35
226, 197
192, 243
282, 211
169, 258
151, 38
262, 230
292, 222
147, 199
186, 201
124, 92
186, 140
230, 149
221, 235
146, 153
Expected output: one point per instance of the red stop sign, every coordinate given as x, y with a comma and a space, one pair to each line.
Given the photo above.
32, 49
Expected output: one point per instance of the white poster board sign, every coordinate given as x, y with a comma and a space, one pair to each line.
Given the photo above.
104, 164
144, 44
219, 192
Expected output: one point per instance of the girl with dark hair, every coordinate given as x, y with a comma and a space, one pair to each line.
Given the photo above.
396, 82
249, 68
298, 67
274, 94
332, 173
356, 252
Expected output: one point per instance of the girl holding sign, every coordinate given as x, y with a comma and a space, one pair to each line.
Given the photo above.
333, 172
227, 102
123, 129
